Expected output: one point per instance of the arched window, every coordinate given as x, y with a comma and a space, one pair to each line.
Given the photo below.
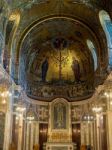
93, 52
107, 27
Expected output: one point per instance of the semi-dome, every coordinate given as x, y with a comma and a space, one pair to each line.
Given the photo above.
56, 61
57, 52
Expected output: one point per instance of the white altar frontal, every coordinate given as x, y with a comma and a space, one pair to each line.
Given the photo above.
59, 146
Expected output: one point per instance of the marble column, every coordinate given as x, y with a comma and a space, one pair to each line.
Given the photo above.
32, 136
87, 136
20, 133
7, 133
98, 131
8, 124
24, 136
109, 129
95, 135
70, 124
36, 132
92, 135
83, 138
27, 135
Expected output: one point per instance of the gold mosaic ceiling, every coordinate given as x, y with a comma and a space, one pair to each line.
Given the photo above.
51, 48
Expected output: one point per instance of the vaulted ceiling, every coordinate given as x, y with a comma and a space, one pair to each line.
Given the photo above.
47, 42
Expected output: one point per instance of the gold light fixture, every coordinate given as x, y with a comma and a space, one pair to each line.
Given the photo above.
31, 115
97, 109
88, 117
20, 107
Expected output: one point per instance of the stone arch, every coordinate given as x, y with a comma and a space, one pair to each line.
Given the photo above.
107, 27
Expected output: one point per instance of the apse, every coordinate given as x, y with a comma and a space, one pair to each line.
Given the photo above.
55, 60
55, 92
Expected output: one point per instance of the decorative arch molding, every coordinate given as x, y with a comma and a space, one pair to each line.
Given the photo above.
27, 30
57, 100
42, 20
15, 18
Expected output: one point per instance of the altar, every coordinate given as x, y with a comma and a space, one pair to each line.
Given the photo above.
60, 146
59, 131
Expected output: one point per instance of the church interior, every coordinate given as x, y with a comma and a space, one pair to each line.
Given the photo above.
55, 75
